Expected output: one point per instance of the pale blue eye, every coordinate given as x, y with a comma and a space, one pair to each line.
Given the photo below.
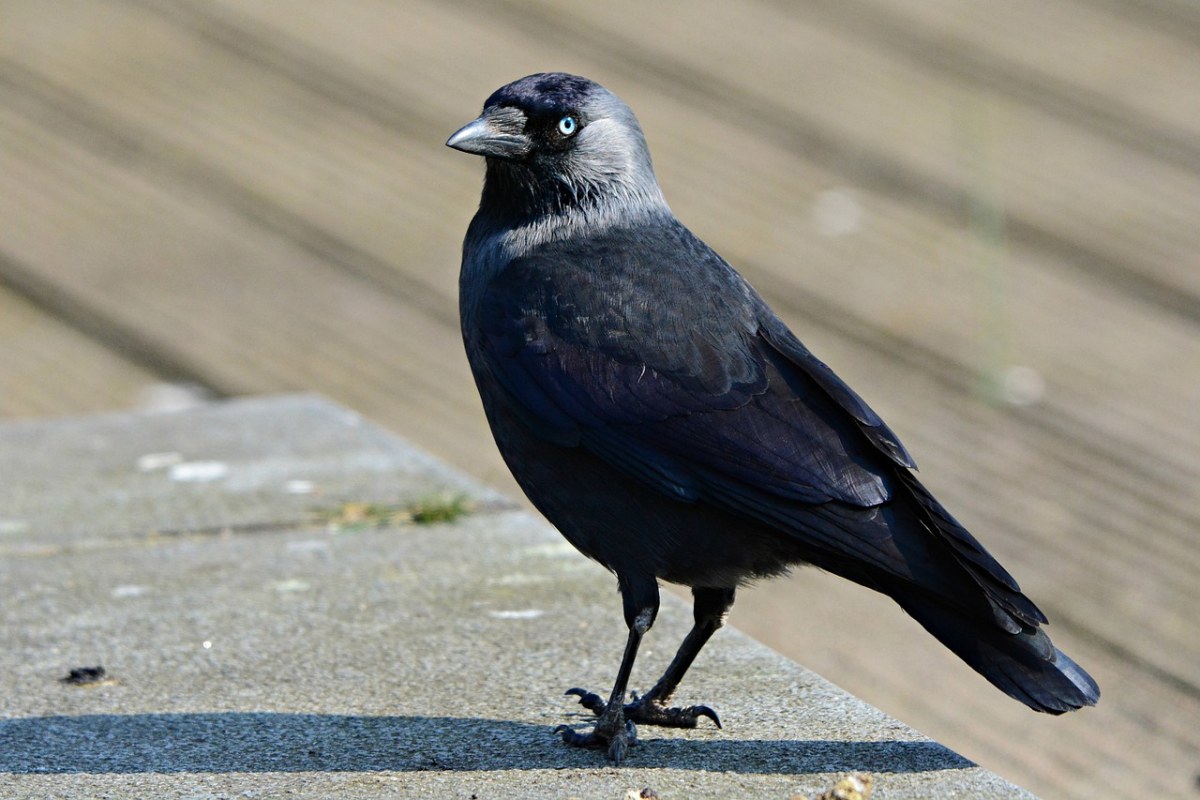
567, 125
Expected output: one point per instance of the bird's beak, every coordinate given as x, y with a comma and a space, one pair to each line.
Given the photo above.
499, 133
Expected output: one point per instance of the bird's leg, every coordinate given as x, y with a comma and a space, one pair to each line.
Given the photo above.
613, 731
709, 610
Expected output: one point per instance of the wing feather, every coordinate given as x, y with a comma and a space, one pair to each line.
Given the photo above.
658, 358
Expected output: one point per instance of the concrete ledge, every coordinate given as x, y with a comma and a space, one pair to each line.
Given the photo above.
254, 650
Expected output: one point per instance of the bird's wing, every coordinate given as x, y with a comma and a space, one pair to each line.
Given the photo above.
655, 355
650, 351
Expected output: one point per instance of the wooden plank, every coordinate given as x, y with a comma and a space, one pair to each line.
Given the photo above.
180, 101
1072, 59
50, 369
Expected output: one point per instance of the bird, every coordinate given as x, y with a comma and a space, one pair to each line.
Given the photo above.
671, 426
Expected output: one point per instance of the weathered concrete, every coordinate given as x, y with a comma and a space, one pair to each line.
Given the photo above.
254, 651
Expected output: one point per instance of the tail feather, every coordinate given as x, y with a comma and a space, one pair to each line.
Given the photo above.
1012, 609
1026, 666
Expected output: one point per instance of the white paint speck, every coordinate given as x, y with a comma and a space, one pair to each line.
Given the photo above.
519, 579
552, 550
308, 546
160, 398
207, 645
13, 526
129, 590
153, 461
291, 585
524, 613
299, 487
199, 471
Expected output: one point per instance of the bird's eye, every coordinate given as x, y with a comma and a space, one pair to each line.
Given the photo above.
567, 126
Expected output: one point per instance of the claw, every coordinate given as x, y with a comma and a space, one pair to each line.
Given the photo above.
705, 711
592, 702
571, 737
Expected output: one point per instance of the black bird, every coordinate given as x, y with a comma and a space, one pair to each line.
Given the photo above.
658, 412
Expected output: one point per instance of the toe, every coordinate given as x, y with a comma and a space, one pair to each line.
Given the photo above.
592, 702
586, 740
652, 713
617, 742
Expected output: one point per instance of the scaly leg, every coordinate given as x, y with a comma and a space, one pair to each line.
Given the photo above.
710, 609
612, 730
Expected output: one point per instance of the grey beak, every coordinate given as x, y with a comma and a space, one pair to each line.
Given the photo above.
491, 136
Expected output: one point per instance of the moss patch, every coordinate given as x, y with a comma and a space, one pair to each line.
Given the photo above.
353, 515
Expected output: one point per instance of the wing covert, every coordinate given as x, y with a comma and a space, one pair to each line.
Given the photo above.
683, 378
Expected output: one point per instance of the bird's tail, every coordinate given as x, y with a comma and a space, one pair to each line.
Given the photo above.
1025, 665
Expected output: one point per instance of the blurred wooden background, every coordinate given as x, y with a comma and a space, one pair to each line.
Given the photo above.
984, 215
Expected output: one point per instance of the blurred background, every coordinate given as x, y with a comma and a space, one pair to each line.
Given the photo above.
984, 215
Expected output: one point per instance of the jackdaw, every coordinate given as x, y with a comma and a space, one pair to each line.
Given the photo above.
670, 425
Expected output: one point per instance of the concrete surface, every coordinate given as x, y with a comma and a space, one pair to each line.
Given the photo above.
253, 649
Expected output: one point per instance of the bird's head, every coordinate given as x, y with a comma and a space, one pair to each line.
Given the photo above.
555, 141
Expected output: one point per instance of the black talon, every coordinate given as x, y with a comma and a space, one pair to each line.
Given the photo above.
592, 702
576, 739
705, 711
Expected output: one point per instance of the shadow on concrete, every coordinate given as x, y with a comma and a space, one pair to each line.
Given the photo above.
274, 742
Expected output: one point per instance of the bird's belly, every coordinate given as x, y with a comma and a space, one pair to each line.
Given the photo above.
633, 529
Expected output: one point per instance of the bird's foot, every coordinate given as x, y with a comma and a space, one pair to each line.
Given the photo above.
612, 733
649, 710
